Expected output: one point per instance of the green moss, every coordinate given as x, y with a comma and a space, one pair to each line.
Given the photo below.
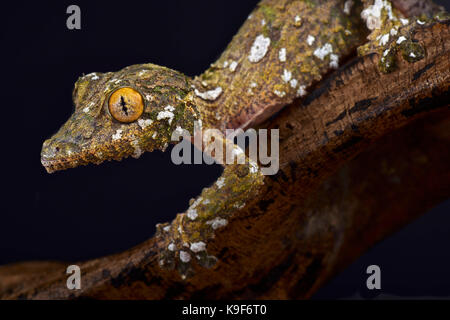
442, 16
412, 51
310, 3
387, 62
269, 13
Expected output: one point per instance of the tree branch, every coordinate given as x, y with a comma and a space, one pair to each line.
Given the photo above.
358, 133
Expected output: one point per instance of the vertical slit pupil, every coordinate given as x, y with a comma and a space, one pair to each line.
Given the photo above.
124, 105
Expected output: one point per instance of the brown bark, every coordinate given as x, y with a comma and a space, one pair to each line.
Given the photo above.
361, 156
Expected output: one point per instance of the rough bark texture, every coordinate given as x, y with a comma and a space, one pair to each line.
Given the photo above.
417, 7
357, 133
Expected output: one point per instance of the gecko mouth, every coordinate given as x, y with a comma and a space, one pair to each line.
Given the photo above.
57, 165
57, 158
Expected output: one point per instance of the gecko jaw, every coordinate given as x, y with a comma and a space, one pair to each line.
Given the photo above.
57, 165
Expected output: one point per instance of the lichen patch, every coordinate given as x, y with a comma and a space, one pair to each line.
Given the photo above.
323, 51
209, 95
282, 55
259, 48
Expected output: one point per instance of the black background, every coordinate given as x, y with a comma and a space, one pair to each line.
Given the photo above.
92, 211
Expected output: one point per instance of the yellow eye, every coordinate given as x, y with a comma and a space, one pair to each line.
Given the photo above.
126, 105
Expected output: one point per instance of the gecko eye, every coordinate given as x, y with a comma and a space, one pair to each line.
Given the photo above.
126, 105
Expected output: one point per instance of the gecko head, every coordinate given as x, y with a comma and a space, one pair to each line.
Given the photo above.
121, 114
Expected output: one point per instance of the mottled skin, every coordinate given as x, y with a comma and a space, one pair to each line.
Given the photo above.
272, 241
256, 90
91, 133
304, 41
248, 95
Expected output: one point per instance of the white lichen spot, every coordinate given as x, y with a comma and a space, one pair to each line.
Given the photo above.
282, 55
149, 97
141, 73
404, 21
198, 246
401, 39
206, 201
253, 167
117, 135
209, 95
192, 212
259, 48
233, 66
384, 39
250, 16
279, 93
239, 206
144, 123
93, 76
334, 61
297, 21
310, 40
154, 134
179, 130
263, 22
348, 6
420, 22
252, 85
293, 83
166, 228
347, 32
372, 14
322, 52
86, 109
386, 52
137, 149
166, 114
393, 32
287, 75
220, 182
301, 91
185, 256
412, 55
225, 64
217, 223
171, 247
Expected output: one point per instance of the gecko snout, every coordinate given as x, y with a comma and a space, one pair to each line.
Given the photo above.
55, 153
